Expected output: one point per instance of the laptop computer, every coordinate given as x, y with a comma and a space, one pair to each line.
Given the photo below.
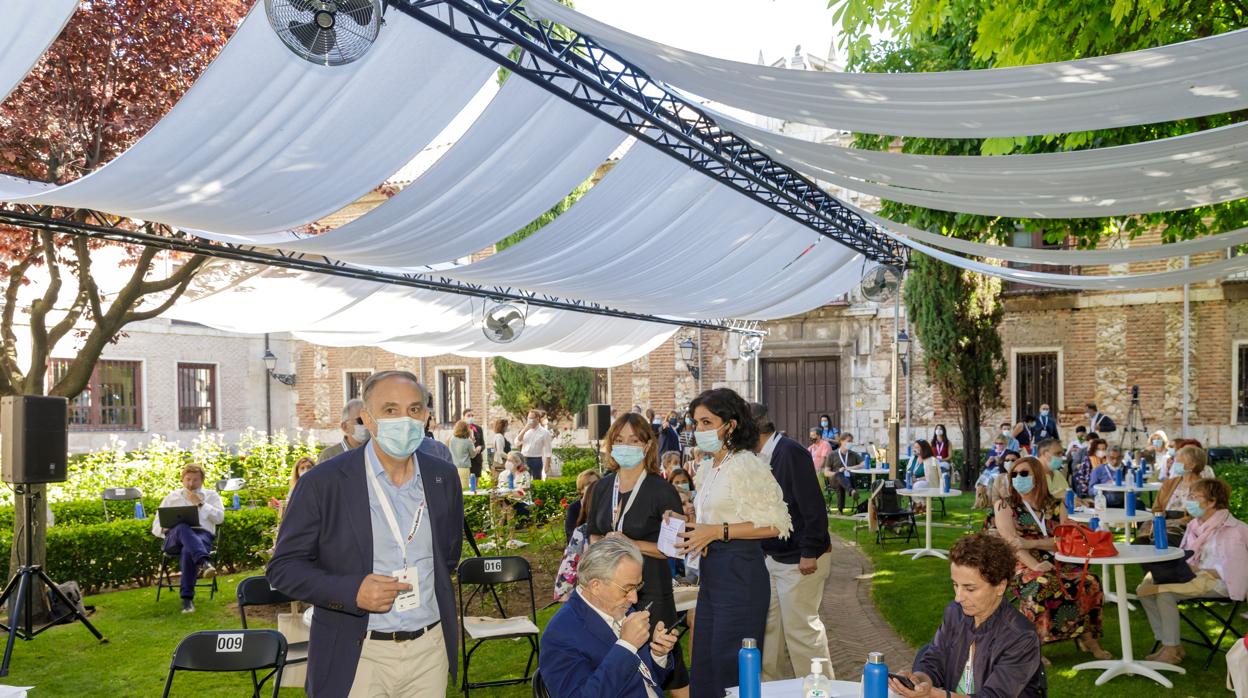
172, 516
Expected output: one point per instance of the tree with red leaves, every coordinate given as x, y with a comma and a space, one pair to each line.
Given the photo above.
115, 70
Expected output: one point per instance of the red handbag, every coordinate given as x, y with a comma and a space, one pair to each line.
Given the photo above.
1077, 540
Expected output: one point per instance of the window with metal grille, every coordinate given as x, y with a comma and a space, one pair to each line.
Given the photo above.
1241, 389
453, 389
1035, 383
112, 399
197, 397
355, 383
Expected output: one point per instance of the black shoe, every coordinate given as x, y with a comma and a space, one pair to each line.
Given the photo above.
188, 606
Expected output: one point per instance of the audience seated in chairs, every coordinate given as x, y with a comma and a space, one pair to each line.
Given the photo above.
1188, 467
192, 545
837, 475
1062, 602
1217, 567
984, 647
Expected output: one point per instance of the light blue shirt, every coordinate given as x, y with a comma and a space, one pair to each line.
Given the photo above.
388, 556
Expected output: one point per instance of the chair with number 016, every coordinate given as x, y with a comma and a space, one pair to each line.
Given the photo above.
487, 581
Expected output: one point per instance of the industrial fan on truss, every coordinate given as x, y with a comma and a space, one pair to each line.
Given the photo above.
502, 323
880, 283
750, 345
326, 32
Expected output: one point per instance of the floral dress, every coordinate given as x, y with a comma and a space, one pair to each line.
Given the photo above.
1053, 600
1081, 477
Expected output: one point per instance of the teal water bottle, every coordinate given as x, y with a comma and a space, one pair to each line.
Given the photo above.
749, 669
874, 677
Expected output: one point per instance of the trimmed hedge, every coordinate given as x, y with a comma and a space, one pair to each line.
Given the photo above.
125, 552
81, 512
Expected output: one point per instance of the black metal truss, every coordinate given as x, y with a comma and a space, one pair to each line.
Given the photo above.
103, 229
577, 69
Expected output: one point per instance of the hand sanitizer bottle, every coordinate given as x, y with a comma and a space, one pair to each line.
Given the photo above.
816, 685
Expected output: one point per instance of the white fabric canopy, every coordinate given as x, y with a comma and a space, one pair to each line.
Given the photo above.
1194, 78
266, 141
525, 152
1205, 157
29, 28
335, 311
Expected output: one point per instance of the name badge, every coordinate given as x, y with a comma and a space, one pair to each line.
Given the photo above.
407, 600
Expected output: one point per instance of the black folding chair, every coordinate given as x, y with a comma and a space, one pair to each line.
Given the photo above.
484, 575
539, 686
1222, 454
889, 514
119, 494
164, 575
230, 650
256, 591
1213, 607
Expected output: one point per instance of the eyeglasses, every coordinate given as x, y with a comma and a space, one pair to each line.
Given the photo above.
1020, 473
628, 589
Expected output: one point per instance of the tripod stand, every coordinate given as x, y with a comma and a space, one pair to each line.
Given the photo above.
1134, 425
20, 590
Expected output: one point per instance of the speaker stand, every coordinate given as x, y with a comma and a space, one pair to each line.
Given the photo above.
20, 591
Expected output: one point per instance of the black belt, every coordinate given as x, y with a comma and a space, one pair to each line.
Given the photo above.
402, 635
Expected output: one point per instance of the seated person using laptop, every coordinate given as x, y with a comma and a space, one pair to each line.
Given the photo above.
192, 543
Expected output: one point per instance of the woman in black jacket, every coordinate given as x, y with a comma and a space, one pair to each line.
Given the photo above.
984, 647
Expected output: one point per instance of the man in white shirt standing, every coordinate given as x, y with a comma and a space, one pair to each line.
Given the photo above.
535, 444
192, 544
593, 646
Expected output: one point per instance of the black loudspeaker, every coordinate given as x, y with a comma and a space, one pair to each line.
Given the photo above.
35, 433
597, 421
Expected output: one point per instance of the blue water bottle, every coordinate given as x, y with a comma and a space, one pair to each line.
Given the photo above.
875, 677
138, 509
944, 482
749, 669
511, 481
1159, 532
1094, 523
1118, 477
1070, 502
1139, 475
1130, 503
237, 503
472, 483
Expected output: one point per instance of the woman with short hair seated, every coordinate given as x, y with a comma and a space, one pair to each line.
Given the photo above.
1190, 466
1217, 566
984, 647
1061, 602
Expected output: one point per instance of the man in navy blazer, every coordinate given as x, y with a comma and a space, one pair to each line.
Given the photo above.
593, 647
385, 619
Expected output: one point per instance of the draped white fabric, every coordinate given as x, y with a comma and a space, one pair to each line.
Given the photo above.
1194, 78
28, 29
1217, 155
525, 152
265, 141
334, 311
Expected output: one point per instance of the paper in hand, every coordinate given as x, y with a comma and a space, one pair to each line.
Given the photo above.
669, 536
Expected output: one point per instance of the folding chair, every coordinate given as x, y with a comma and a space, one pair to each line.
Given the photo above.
485, 574
1222, 455
228, 487
164, 576
1211, 606
230, 650
539, 686
256, 591
890, 514
119, 494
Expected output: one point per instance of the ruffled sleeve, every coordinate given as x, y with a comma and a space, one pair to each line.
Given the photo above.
755, 493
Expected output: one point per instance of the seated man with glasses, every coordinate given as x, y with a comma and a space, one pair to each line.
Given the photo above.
594, 646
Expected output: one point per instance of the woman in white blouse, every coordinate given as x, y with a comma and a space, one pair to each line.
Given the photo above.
738, 504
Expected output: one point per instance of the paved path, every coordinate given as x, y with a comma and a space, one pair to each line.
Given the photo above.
854, 626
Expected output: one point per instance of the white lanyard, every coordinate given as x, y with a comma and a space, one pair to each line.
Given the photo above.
615, 500
393, 521
1044, 530
844, 456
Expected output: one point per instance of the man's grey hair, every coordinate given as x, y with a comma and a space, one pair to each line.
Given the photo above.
377, 378
603, 557
354, 404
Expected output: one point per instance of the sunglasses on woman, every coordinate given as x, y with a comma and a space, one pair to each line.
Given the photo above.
1020, 473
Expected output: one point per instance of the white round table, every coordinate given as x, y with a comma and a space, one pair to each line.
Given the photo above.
1131, 487
1115, 518
792, 688
1128, 664
869, 471
928, 494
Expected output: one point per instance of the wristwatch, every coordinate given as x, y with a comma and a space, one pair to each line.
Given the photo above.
725, 533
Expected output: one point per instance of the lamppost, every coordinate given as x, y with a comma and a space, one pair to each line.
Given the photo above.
903, 346
687, 349
270, 363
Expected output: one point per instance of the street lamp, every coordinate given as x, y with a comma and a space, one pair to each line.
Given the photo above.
687, 349
903, 346
270, 363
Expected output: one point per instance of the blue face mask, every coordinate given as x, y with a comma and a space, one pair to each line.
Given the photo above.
708, 441
823, 423
688, 422
400, 436
1056, 462
1193, 508
627, 456
1176, 469
1023, 484
1044, 413
1158, 443
684, 486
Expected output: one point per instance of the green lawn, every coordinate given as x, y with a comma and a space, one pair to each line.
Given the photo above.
911, 595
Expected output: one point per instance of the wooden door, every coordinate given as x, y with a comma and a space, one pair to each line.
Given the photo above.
797, 391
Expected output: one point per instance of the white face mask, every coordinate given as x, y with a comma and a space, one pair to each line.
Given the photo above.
1101, 454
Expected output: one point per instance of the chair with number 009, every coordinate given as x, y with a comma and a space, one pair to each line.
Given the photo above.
256, 591
485, 578
230, 651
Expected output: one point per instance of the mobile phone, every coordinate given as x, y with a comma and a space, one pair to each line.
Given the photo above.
903, 681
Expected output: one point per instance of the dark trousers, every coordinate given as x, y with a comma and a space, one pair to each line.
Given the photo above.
841, 485
535, 466
192, 545
733, 598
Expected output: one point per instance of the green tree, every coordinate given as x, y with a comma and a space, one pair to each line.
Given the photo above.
560, 392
